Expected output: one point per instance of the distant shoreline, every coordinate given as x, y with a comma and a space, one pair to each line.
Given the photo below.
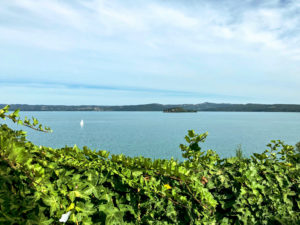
201, 107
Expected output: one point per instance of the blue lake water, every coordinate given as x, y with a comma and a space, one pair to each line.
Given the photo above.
158, 135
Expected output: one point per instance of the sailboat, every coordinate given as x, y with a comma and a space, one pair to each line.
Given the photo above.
81, 123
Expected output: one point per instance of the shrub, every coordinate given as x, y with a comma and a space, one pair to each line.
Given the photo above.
298, 147
239, 152
40, 184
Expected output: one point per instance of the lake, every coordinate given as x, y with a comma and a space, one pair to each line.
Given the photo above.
158, 135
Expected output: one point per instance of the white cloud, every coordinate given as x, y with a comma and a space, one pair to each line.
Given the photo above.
160, 43
54, 11
151, 24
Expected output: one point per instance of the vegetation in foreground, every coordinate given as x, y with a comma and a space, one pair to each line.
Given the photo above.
38, 185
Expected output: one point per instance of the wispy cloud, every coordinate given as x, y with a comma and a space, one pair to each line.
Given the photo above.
226, 48
76, 86
153, 22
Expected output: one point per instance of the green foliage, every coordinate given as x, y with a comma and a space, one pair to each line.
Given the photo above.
239, 152
40, 184
14, 117
298, 147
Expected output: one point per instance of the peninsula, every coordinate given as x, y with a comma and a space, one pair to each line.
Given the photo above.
178, 110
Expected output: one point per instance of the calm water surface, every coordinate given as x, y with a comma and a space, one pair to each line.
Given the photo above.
158, 135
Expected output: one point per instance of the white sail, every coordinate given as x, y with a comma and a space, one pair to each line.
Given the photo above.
81, 123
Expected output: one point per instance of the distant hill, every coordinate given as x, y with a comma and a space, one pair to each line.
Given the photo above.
255, 108
206, 106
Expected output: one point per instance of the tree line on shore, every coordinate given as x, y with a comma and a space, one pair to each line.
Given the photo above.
160, 107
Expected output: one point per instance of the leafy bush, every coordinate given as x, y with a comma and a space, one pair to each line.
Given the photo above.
39, 184
239, 152
298, 147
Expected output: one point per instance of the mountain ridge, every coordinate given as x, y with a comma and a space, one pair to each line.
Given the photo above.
206, 106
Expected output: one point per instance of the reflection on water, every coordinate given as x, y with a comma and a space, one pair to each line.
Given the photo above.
158, 135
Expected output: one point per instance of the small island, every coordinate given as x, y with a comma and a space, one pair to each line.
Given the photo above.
178, 110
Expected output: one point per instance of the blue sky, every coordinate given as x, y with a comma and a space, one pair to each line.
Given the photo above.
117, 52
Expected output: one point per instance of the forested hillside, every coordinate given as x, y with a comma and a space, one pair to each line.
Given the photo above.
160, 107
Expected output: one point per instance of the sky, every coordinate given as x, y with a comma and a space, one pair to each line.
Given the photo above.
121, 52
